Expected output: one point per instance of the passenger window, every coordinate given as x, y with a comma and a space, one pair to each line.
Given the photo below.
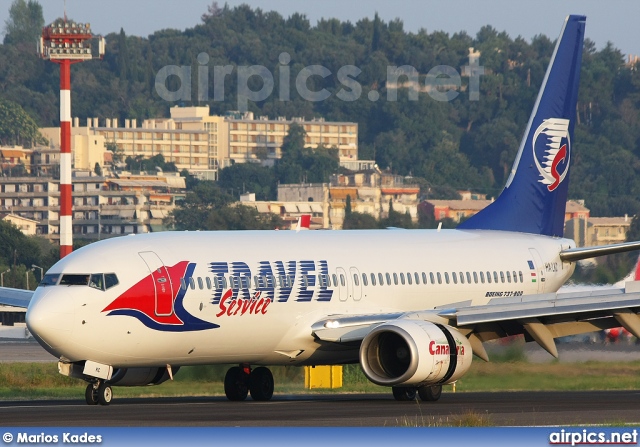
200, 284
446, 277
455, 278
424, 278
417, 277
110, 280
488, 277
364, 279
208, 281
402, 278
305, 281
388, 279
520, 274
475, 277
508, 276
468, 278
335, 280
97, 281
217, 283
183, 284
395, 279
192, 283
373, 279
380, 279
342, 280
356, 280
270, 281
409, 278
439, 278
495, 277
515, 277
502, 277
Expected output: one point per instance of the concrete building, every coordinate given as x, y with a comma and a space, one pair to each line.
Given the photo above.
203, 144
13, 156
455, 210
26, 226
87, 148
102, 207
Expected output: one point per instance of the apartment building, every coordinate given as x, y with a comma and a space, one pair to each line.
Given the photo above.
204, 144
102, 207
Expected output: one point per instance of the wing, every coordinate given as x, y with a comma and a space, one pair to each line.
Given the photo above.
541, 318
15, 297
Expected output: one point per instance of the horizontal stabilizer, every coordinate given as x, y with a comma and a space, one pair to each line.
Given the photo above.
577, 254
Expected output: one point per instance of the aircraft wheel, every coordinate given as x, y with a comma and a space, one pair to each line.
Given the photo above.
91, 395
404, 393
236, 384
261, 384
430, 393
105, 394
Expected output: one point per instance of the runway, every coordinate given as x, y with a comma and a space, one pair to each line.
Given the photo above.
380, 410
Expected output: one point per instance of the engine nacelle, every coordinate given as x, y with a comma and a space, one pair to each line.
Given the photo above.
416, 353
140, 376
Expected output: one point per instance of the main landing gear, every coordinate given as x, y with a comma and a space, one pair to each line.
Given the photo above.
98, 392
241, 380
426, 393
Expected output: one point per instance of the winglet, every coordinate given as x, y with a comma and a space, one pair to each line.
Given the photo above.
534, 198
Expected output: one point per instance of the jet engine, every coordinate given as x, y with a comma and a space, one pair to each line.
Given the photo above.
414, 353
140, 376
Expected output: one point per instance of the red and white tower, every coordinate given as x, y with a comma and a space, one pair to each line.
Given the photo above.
67, 43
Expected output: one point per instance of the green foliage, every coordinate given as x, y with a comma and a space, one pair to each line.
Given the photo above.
305, 165
207, 207
24, 25
19, 252
359, 221
458, 144
249, 177
139, 163
16, 126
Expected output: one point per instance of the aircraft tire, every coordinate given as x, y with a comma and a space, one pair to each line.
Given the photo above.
261, 384
430, 393
91, 395
404, 393
105, 394
236, 384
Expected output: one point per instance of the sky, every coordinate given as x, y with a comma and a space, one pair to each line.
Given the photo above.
607, 20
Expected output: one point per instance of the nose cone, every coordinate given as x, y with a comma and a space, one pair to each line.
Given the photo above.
50, 317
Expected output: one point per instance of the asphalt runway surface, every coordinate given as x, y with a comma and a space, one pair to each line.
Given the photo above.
379, 410
346, 410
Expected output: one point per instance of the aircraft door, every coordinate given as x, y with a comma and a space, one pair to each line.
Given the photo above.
343, 284
357, 284
163, 289
537, 272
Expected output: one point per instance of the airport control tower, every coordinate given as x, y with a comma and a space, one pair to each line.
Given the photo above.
66, 43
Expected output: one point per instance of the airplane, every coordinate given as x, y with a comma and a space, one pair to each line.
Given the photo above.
412, 307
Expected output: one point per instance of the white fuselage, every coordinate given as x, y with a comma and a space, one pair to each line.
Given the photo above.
294, 279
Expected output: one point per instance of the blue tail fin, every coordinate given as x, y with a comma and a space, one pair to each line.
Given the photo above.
534, 198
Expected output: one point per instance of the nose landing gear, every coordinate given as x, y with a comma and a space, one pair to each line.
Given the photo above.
98, 392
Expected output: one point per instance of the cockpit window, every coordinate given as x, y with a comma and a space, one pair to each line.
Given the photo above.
74, 280
97, 281
50, 279
110, 280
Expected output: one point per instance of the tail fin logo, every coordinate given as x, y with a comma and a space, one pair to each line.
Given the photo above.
552, 151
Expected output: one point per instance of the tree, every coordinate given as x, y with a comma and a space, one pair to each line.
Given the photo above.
17, 127
97, 169
25, 23
249, 177
359, 221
